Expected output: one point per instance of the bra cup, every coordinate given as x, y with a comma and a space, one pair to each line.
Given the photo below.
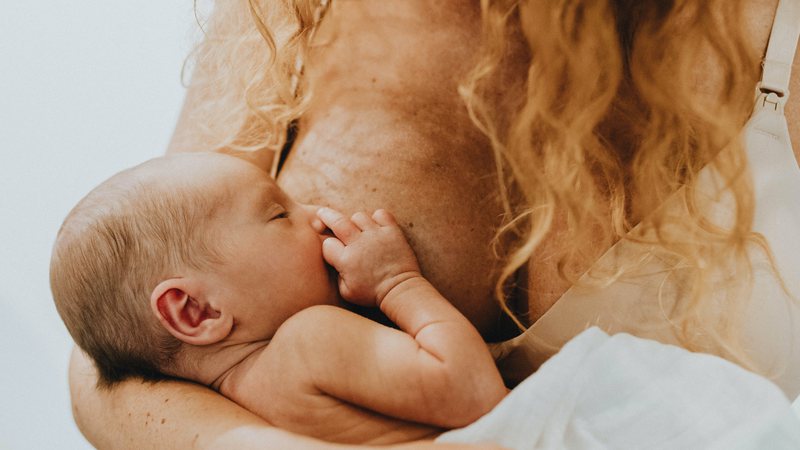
638, 302
772, 329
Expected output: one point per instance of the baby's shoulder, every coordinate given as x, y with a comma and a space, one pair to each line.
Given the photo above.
304, 344
315, 327
306, 336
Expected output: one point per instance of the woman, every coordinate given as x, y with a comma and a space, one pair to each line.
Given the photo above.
514, 157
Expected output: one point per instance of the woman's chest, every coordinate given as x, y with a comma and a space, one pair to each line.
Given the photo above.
440, 185
387, 128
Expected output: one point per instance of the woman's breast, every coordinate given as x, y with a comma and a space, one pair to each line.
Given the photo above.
436, 178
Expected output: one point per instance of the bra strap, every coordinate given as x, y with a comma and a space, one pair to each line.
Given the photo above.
780, 51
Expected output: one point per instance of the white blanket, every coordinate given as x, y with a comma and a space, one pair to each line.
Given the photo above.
622, 392
796, 406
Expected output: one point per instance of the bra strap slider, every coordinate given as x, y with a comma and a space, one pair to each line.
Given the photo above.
770, 100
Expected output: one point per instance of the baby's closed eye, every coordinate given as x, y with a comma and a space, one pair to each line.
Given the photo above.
281, 215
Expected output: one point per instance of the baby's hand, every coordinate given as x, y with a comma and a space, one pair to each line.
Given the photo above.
370, 253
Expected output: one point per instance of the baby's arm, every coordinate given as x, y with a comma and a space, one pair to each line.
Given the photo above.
439, 370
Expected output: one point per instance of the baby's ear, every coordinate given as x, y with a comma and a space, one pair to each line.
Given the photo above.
182, 309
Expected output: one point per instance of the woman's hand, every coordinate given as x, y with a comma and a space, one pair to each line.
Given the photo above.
370, 253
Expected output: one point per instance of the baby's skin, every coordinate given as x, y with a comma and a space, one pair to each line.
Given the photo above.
279, 346
334, 375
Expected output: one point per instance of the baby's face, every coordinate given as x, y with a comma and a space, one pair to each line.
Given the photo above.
272, 263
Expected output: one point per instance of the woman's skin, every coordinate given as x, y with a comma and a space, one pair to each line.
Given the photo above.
386, 129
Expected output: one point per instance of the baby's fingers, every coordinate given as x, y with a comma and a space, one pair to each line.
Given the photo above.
363, 221
332, 251
342, 227
384, 218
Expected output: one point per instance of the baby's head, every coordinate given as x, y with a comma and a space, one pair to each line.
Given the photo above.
183, 255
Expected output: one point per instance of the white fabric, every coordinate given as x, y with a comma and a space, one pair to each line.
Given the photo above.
623, 392
796, 407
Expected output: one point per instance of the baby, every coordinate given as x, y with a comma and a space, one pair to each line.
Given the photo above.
198, 266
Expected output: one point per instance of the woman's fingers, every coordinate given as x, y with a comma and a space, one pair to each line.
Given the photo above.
342, 227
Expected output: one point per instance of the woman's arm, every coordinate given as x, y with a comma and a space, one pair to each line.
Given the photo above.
188, 138
139, 415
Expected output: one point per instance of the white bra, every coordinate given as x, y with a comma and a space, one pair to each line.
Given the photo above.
631, 304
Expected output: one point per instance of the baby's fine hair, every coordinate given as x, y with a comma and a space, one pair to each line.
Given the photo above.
114, 247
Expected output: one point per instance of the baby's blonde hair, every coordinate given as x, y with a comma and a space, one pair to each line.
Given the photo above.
113, 248
560, 161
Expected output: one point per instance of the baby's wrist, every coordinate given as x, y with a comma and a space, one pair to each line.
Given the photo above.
394, 285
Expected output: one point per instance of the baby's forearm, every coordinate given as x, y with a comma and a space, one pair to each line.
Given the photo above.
471, 383
439, 370
416, 306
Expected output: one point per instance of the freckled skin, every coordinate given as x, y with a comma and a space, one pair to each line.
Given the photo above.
387, 129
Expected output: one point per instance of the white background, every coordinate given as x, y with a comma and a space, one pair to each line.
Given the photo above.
87, 88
